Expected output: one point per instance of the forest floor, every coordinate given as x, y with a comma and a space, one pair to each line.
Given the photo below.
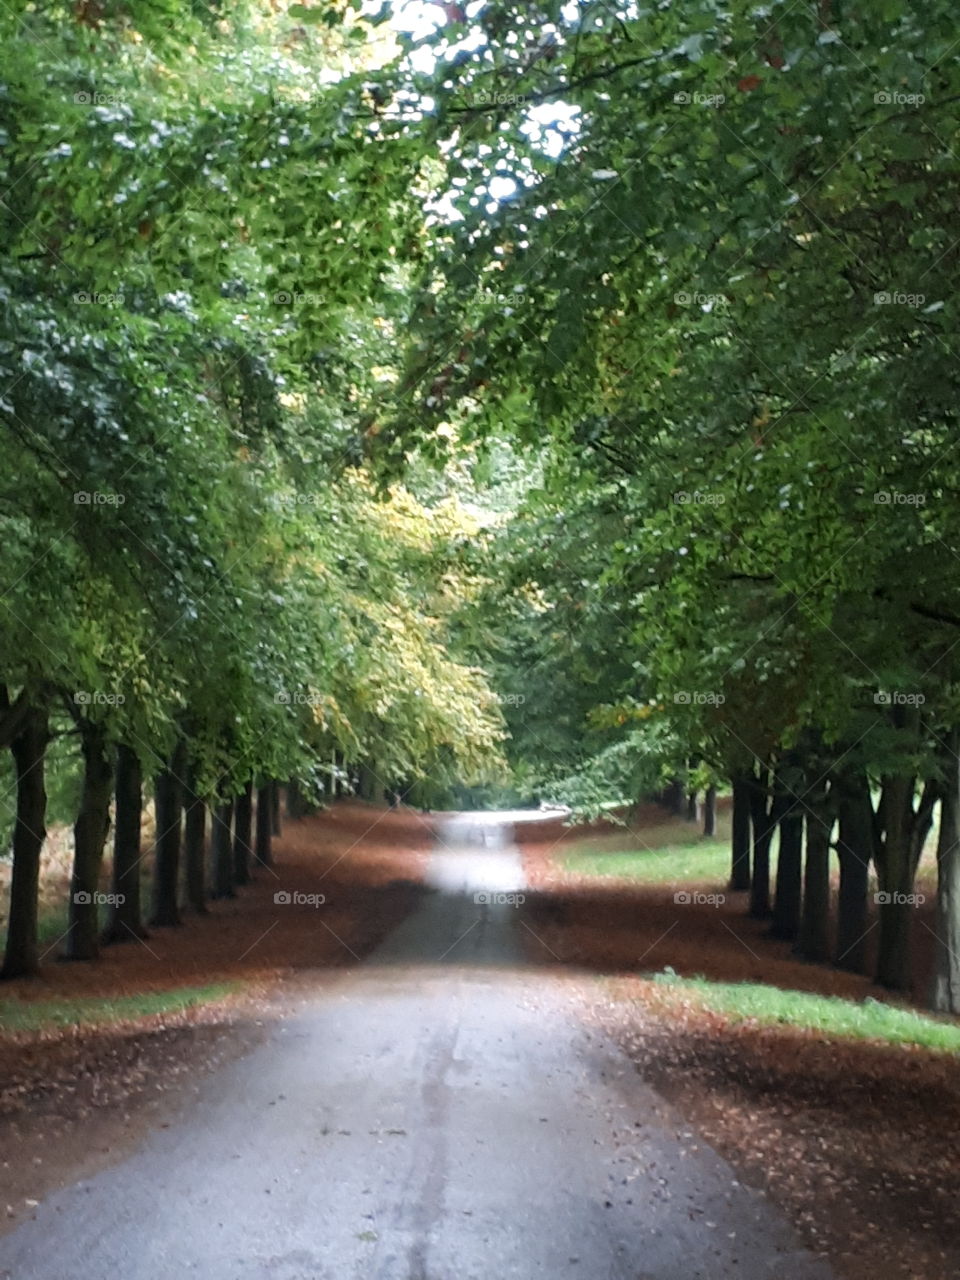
855, 1139
438, 1110
86, 1066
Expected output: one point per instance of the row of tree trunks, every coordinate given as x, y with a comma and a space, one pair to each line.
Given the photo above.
180, 829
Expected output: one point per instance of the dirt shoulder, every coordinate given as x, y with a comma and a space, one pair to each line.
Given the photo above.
855, 1140
74, 1099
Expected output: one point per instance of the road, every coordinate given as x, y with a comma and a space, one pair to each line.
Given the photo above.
436, 1113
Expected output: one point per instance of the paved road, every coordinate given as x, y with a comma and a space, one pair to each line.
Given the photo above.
435, 1114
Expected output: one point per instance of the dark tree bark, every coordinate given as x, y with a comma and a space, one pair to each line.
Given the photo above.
125, 921
740, 835
764, 816
277, 825
814, 941
787, 899
710, 811
945, 990
168, 811
370, 786
28, 746
855, 849
264, 832
194, 842
693, 808
675, 797
221, 849
242, 829
296, 803
904, 831
89, 836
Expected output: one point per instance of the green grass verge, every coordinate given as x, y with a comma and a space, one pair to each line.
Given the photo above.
829, 1015
690, 860
18, 1015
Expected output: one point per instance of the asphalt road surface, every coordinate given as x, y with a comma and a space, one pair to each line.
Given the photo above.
436, 1113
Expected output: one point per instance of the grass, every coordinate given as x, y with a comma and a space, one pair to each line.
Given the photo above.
829, 1015
18, 1015
689, 861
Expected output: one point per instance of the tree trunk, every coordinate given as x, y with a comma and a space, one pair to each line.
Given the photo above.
855, 848
764, 815
21, 958
945, 990
370, 785
242, 826
786, 902
814, 942
262, 851
89, 836
895, 875
277, 826
194, 850
222, 851
125, 920
674, 797
168, 808
693, 808
740, 835
296, 804
710, 811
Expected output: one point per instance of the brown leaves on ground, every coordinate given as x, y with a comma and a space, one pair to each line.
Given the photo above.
857, 1141
72, 1100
